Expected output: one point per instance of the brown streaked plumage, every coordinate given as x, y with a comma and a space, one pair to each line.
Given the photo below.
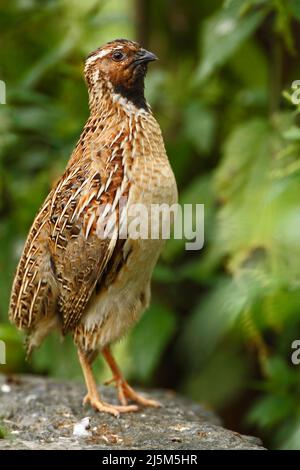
70, 277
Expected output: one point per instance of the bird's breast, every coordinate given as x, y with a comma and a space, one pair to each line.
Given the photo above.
125, 293
151, 176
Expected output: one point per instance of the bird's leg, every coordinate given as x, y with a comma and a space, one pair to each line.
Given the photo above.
124, 390
93, 396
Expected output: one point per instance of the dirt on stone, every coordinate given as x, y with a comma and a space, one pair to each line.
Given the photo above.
40, 413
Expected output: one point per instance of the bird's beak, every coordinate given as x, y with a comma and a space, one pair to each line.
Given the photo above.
143, 57
148, 56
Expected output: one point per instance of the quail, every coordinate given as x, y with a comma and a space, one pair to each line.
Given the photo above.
77, 274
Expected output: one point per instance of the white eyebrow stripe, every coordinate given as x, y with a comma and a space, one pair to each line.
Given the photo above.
101, 54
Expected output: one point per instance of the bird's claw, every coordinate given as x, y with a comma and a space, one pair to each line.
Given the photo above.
126, 392
101, 406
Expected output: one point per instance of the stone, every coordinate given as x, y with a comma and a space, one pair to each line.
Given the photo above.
41, 413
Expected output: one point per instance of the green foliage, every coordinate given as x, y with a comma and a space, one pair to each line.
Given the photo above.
222, 320
3, 432
149, 338
14, 351
224, 32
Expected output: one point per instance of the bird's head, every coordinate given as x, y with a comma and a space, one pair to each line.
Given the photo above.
120, 67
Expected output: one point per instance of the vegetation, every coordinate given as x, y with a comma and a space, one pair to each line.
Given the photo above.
223, 319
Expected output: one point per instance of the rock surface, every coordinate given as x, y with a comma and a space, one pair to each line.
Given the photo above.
39, 413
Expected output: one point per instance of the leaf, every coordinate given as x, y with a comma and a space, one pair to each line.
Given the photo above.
205, 385
247, 58
199, 126
291, 437
149, 339
222, 35
271, 410
211, 320
294, 7
3, 432
51, 58
293, 133
247, 141
279, 373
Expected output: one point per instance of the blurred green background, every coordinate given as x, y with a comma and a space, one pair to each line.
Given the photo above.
222, 320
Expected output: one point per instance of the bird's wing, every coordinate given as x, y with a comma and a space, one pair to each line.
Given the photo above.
77, 249
80, 248
34, 290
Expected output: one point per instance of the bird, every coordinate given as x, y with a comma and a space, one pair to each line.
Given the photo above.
77, 274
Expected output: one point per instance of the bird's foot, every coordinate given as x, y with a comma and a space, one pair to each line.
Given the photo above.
100, 405
125, 393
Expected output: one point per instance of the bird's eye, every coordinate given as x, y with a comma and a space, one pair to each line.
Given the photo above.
118, 56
